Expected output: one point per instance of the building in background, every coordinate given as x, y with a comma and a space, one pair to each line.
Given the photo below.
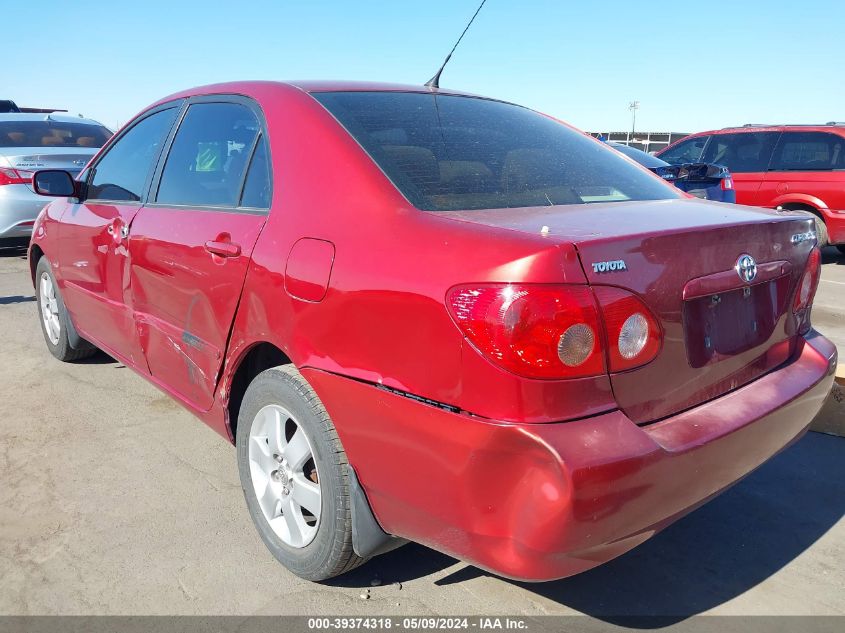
645, 141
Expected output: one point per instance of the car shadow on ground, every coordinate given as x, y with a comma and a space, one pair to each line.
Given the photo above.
713, 555
15, 248
15, 299
832, 255
100, 358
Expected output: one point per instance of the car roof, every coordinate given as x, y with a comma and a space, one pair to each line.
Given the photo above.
371, 86
59, 118
835, 127
309, 86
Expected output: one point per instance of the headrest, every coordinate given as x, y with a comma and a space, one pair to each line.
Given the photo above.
418, 163
526, 169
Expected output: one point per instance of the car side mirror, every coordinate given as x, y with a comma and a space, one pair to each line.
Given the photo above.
54, 182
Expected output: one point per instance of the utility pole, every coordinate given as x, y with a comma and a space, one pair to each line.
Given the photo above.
633, 107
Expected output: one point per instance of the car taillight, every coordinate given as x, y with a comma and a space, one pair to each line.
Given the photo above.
727, 184
807, 289
633, 333
555, 331
537, 331
9, 176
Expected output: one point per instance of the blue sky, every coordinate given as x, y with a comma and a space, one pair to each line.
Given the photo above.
692, 65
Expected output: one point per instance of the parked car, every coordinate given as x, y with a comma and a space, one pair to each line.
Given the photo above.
425, 315
792, 167
29, 142
6, 105
702, 180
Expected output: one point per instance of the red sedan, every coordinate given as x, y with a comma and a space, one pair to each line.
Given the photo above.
426, 315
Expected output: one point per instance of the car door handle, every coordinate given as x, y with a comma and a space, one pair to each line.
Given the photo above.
223, 249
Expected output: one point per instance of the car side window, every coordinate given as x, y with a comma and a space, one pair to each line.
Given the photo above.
123, 170
743, 152
208, 157
809, 151
257, 190
687, 151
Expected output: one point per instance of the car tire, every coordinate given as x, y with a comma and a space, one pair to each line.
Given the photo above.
841, 248
821, 233
54, 319
279, 469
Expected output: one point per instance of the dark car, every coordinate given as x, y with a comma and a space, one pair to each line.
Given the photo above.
425, 315
702, 180
7, 106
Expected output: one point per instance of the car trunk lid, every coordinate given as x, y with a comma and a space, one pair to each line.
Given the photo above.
680, 258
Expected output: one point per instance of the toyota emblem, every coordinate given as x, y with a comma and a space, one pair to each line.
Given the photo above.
746, 268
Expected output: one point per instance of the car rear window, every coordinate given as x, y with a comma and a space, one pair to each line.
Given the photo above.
52, 134
646, 160
448, 152
809, 151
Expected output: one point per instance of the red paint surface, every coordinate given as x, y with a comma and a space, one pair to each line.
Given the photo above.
533, 478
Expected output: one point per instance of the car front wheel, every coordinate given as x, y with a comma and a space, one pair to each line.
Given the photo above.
294, 475
55, 322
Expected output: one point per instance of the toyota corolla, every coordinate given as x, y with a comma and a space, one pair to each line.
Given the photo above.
430, 316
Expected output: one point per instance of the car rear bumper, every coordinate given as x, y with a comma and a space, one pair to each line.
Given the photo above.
19, 206
546, 501
835, 223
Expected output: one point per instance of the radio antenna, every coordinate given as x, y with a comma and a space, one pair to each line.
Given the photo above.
434, 82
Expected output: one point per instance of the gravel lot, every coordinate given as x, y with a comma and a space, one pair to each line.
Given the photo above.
113, 500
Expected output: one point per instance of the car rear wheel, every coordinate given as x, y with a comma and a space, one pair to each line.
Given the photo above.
821, 233
841, 248
294, 475
55, 322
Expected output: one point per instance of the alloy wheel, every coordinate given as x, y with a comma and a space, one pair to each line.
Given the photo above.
50, 309
284, 476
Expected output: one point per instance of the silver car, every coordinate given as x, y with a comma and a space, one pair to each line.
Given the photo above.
29, 142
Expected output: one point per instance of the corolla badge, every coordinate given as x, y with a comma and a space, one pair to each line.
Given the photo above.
803, 237
746, 268
609, 267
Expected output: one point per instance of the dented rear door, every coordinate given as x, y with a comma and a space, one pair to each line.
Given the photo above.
191, 246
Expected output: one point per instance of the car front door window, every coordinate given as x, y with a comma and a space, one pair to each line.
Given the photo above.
687, 151
122, 173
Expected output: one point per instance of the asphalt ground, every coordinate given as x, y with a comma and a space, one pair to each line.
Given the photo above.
114, 500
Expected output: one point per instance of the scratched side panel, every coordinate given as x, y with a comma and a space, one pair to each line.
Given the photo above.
185, 297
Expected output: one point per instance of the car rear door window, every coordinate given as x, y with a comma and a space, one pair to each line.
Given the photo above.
809, 151
257, 186
742, 152
121, 174
687, 151
209, 155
